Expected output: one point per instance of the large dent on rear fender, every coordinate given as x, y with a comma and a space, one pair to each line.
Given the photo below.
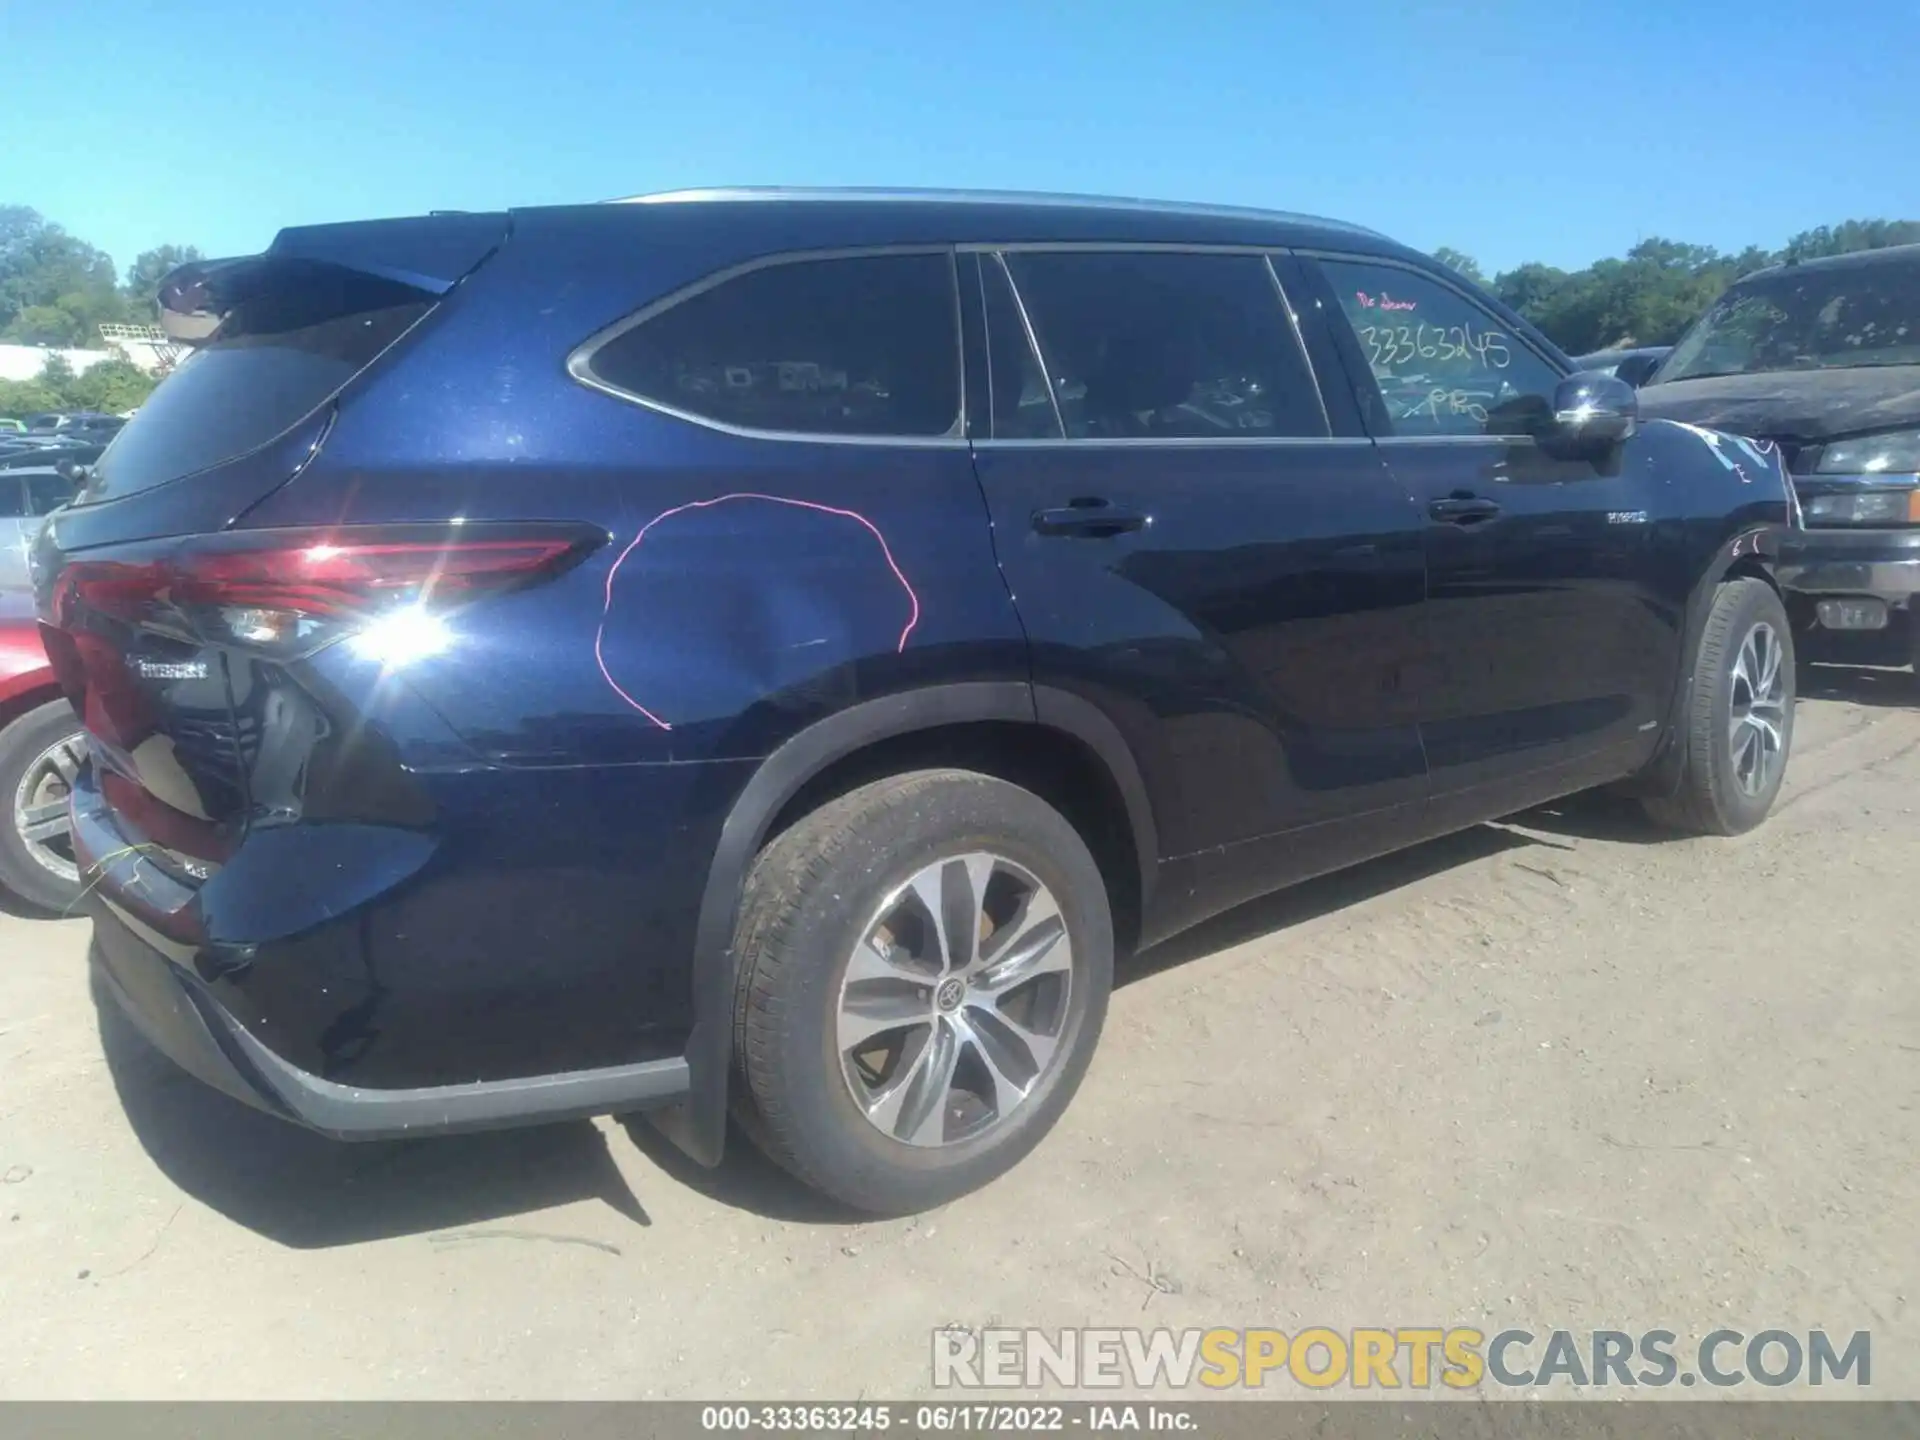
743, 629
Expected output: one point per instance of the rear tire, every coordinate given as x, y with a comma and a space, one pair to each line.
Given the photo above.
1738, 730
893, 1057
30, 785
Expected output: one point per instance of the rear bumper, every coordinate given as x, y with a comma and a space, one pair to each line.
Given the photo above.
1882, 563
181, 1018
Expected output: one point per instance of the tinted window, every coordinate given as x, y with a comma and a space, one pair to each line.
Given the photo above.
13, 496
276, 356
47, 493
1167, 345
1444, 365
1022, 406
866, 345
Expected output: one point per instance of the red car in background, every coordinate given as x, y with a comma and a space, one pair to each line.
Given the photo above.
42, 747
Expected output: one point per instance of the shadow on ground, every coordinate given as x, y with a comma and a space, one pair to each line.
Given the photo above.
745, 1179
305, 1191
1311, 899
12, 904
1859, 684
309, 1192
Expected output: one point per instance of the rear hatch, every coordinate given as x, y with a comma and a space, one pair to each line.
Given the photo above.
152, 602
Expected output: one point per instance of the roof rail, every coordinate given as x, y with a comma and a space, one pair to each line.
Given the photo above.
736, 193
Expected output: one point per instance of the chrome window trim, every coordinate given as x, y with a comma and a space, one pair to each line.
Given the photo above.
1507, 440
1263, 253
1121, 247
737, 194
1446, 283
1300, 343
1182, 442
1033, 347
580, 358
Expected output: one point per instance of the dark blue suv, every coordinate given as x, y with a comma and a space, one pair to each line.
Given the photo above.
768, 651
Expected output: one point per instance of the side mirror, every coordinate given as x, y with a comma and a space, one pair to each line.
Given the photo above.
1593, 414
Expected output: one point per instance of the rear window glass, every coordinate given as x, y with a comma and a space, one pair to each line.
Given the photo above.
276, 357
862, 345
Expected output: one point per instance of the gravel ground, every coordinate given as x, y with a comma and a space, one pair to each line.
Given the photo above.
1560, 1072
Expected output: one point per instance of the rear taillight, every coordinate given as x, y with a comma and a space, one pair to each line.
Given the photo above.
289, 592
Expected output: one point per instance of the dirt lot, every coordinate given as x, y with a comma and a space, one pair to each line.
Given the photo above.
1560, 1072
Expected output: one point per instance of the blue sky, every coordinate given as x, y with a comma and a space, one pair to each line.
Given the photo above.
1532, 130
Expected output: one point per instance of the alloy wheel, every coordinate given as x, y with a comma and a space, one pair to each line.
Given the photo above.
1758, 714
40, 816
955, 1000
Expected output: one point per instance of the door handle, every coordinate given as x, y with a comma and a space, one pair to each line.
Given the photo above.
1460, 509
1088, 518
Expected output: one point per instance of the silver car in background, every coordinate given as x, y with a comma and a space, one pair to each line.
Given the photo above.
28, 494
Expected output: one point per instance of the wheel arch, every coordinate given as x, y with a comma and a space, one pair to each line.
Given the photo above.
1749, 554
827, 758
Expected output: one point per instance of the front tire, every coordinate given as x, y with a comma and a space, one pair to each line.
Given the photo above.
40, 753
924, 965
1739, 721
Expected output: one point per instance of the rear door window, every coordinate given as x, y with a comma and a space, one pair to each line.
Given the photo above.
1444, 365
864, 345
276, 357
1153, 345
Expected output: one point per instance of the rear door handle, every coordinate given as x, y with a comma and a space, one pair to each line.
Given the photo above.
1463, 510
1088, 518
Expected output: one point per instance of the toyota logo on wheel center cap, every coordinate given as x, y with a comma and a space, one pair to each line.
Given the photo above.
950, 994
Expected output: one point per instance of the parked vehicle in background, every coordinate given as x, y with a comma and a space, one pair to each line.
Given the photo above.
1821, 360
42, 747
28, 494
861, 616
80, 426
1633, 366
11, 427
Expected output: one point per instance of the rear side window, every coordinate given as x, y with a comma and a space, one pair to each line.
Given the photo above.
276, 357
865, 345
1167, 345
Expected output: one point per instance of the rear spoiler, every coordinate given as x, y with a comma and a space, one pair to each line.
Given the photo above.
430, 253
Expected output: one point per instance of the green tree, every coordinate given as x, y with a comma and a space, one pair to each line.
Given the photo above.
21, 398
146, 273
112, 385
1851, 235
60, 286
1529, 287
1459, 260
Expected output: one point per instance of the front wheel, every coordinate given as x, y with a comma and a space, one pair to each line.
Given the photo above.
924, 966
1739, 721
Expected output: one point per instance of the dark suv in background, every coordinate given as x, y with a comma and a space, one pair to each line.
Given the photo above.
771, 650
1822, 360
